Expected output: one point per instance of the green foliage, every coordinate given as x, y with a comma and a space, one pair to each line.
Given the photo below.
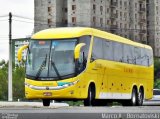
157, 73
157, 68
157, 84
18, 81
3, 80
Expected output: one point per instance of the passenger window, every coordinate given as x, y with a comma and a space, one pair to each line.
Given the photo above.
128, 54
85, 49
108, 50
145, 57
117, 51
137, 55
84, 52
97, 52
150, 54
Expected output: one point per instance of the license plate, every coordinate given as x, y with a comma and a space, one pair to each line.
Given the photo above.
47, 94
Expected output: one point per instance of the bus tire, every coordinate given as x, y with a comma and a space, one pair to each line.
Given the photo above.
46, 102
133, 100
134, 97
91, 97
140, 97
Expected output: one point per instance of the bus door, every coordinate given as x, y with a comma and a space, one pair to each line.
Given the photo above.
97, 64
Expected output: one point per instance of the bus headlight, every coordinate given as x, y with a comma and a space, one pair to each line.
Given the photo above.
70, 84
65, 85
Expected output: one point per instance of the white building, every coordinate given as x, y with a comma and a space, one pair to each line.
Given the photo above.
17, 43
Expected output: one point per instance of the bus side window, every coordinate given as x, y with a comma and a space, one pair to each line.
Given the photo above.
137, 55
84, 52
97, 50
81, 62
85, 49
128, 54
118, 51
145, 57
108, 50
150, 57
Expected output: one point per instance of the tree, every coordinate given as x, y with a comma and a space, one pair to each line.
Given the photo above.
18, 81
157, 73
157, 68
3, 80
157, 84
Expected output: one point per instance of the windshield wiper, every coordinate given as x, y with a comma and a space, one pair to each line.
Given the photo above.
56, 70
41, 67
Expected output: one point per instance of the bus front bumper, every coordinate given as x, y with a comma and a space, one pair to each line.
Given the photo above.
59, 92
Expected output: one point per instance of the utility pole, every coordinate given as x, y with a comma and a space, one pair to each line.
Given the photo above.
10, 98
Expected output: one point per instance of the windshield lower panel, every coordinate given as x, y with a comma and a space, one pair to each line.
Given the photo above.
51, 59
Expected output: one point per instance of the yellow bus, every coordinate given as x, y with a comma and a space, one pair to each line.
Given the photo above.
80, 63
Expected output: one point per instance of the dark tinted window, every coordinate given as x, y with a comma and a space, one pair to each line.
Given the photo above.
117, 51
137, 55
128, 54
86, 40
108, 49
120, 52
97, 51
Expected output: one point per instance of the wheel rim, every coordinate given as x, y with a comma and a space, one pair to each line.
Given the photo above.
134, 99
90, 97
140, 97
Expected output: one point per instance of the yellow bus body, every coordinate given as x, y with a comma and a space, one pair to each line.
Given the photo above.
118, 78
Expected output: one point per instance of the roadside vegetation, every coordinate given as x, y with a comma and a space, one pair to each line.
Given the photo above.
18, 81
157, 73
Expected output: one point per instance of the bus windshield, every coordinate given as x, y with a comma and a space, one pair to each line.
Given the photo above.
51, 59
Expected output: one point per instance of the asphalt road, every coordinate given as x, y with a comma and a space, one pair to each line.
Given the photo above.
151, 103
118, 112
32, 110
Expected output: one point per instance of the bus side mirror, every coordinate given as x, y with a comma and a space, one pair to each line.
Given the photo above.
77, 50
19, 54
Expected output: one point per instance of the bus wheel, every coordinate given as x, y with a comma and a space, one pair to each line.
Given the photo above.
140, 97
46, 102
133, 100
91, 97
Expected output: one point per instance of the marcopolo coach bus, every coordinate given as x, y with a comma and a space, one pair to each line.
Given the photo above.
79, 63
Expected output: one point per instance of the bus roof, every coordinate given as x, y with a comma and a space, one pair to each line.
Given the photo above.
73, 32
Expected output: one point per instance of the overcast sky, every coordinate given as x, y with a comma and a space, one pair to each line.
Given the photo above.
20, 29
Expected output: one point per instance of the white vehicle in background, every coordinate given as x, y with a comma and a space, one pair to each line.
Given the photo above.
155, 100
156, 94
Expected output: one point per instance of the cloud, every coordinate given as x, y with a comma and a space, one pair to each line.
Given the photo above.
20, 7
4, 50
19, 29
